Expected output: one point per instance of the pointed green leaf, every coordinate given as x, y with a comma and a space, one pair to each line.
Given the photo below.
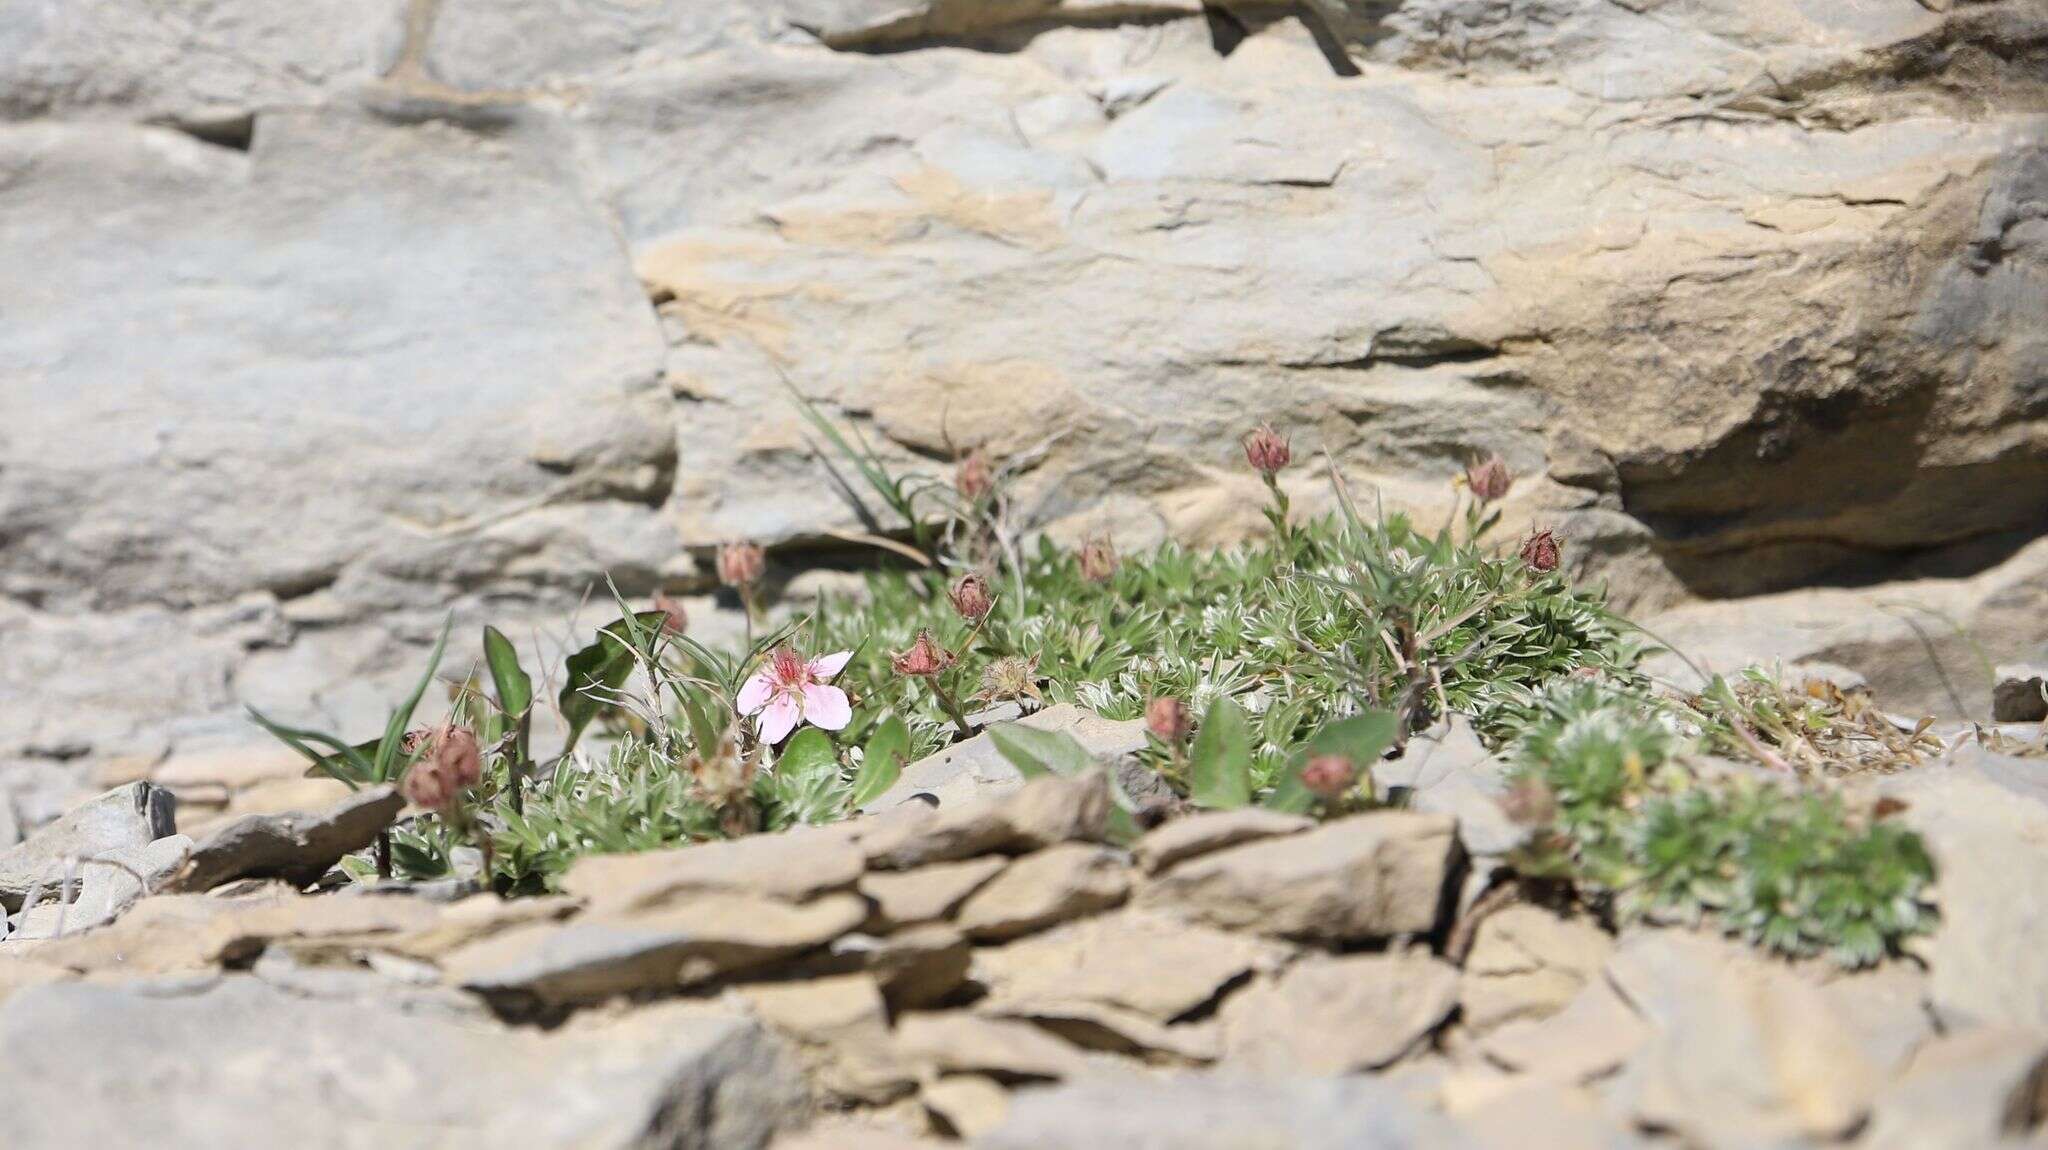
882, 760
349, 764
600, 669
382, 768
515, 687
1362, 738
1220, 765
1034, 752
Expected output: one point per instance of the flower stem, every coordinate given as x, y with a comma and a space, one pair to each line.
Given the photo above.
952, 708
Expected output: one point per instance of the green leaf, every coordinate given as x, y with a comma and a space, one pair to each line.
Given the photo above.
1362, 738
882, 760
808, 753
1220, 765
515, 688
600, 669
349, 764
388, 748
1034, 752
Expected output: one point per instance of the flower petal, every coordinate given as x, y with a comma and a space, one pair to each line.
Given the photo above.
825, 666
827, 707
755, 694
780, 718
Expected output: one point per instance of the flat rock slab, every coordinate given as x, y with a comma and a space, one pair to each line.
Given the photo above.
796, 865
1338, 1015
1206, 831
1369, 876
598, 956
1040, 814
1528, 962
297, 848
976, 769
244, 1063
1220, 1112
927, 894
1146, 963
110, 883
1045, 889
123, 818
185, 933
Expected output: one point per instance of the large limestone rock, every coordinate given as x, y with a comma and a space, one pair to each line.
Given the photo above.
127, 818
244, 1063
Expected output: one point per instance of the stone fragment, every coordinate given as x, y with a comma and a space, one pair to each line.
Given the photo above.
596, 956
1886, 1008
974, 769
926, 894
179, 933
244, 1063
297, 848
1743, 1052
1528, 962
1595, 1033
1044, 889
109, 884
1200, 833
1536, 1112
1446, 770
1114, 1029
1987, 1086
1338, 1015
475, 918
2017, 695
1220, 1111
1984, 817
1042, 813
126, 817
1143, 962
966, 1105
842, 1026
1368, 876
793, 865
956, 1043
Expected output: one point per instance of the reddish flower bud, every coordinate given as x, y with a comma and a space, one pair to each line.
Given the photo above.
428, 786
924, 659
456, 752
974, 477
1328, 776
674, 620
1098, 559
1489, 479
971, 598
1167, 718
741, 564
1540, 552
1529, 802
1267, 450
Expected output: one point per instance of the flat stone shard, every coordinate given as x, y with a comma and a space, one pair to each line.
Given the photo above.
297, 848
121, 819
1045, 889
1221, 1112
1983, 1087
1594, 1034
245, 1063
1200, 833
1369, 876
1147, 963
905, 898
968, 1044
1446, 770
969, 1105
598, 956
842, 1026
1044, 812
2016, 696
187, 933
974, 768
797, 865
1742, 1052
1325, 1016
1528, 962
109, 885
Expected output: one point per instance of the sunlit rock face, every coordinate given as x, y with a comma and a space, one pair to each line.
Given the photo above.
320, 321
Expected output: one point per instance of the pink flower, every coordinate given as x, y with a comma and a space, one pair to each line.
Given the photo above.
787, 690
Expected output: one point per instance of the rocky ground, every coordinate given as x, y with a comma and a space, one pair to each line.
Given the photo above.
324, 317
972, 961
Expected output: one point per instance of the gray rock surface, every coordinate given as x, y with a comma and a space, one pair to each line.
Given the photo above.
122, 819
245, 1063
1221, 1112
974, 768
108, 884
297, 848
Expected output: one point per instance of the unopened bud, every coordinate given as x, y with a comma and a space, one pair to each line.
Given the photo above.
455, 751
741, 564
1328, 776
1489, 479
924, 659
1167, 717
1267, 450
1098, 559
1540, 552
428, 786
974, 477
971, 598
